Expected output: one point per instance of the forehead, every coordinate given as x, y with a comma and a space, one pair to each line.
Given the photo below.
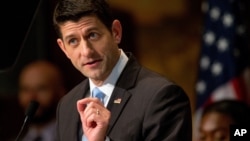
215, 121
84, 24
38, 73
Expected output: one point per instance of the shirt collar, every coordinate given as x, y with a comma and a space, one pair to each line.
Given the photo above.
109, 84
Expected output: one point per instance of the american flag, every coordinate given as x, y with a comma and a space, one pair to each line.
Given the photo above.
224, 54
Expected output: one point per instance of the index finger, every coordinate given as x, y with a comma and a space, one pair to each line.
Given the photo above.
82, 103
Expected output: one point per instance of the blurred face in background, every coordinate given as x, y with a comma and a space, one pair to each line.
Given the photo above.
214, 126
40, 82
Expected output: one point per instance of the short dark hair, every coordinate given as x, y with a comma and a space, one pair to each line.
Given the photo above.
238, 111
74, 10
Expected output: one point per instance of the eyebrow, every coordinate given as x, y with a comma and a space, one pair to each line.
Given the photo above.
69, 36
86, 31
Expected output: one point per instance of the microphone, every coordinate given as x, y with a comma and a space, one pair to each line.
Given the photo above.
30, 112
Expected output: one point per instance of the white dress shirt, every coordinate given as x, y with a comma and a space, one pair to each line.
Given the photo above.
109, 84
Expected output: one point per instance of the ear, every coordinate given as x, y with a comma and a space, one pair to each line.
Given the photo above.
117, 31
61, 45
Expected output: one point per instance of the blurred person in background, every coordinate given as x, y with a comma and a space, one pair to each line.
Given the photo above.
41, 81
218, 116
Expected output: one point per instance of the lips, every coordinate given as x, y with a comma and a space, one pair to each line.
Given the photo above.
93, 62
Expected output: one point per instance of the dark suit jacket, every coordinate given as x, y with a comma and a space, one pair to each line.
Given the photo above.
152, 108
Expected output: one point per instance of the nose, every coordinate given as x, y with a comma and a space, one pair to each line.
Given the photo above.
86, 49
30, 93
33, 95
26, 96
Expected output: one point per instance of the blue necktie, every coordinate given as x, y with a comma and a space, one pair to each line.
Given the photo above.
98, 94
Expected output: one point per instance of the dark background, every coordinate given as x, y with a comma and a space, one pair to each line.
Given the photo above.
27, 35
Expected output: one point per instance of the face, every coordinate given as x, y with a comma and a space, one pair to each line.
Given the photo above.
215, 127
39, 83
91, 47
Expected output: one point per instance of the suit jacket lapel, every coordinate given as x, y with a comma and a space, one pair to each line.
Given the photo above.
81, 92
116, 104
121, 93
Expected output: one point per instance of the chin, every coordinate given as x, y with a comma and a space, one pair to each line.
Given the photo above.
96, 75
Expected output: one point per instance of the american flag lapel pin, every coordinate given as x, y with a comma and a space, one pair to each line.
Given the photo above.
118, 100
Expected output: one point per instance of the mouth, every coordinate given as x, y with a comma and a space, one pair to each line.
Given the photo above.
93, 63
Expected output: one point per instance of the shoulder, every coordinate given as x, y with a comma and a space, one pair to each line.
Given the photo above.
146, 75
155, 84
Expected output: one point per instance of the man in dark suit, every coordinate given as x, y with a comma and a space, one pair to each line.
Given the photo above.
136, 104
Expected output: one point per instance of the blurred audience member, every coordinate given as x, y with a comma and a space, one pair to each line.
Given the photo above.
218, 116
43, 82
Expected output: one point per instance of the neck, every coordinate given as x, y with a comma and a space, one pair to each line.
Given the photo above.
100, 82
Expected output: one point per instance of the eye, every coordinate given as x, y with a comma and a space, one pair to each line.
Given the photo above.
43, 88
23, 89
94, 36
73, 42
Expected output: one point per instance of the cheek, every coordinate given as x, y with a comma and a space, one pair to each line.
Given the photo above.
24, 99
112, 54
74, 56
45, 98
105, 49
